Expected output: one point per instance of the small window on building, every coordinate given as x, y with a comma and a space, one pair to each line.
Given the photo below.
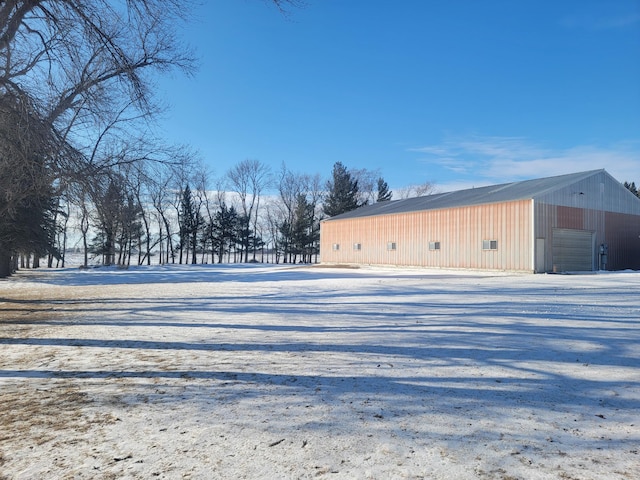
434, 245
489, 244
336, 246
357, 246
391, 246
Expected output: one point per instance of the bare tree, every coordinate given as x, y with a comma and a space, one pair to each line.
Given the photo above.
161, 199
68, 51
300, 196
290, 186
83, 202
140, 184
315, 193
207, 205
426, 188
248, 179
367, 184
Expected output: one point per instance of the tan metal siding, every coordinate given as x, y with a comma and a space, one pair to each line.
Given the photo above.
460, 232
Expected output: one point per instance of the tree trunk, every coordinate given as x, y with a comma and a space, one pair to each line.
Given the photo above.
160, 246
85, 248
194, 253
5, 264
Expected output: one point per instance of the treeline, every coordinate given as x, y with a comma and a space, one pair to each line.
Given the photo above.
174, 213
631, 186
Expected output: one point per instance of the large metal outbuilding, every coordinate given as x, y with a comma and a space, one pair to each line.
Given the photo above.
578, 222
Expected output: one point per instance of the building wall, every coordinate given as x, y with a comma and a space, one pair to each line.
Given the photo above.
549, 217
598, 192
620, 231
460, 232
622, 235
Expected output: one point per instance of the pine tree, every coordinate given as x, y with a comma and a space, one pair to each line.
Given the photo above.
632, 188
109, 199
384, 194
343, 192
224, 230
191, 222
301, 238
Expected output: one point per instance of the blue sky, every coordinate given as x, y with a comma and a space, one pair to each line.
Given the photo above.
457, 93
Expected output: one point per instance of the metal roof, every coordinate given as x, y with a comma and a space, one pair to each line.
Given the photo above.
524, 190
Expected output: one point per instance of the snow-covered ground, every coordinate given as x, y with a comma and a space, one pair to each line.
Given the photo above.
253, 371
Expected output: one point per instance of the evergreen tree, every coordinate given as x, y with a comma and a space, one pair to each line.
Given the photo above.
342, 192
384, 194
224, 230
190, 223
283, 239
243, 234
27, 205
109, 199
30, 229
301, 238
632, 188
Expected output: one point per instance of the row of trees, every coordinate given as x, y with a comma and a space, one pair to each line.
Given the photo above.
173, 212
632, 188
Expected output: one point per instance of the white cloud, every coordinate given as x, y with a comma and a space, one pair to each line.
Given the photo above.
601, 19
620, 21
477, 160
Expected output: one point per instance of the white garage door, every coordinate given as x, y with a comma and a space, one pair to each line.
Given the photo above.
572, 250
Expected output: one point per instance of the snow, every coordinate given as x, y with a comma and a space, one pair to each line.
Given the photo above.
276, 371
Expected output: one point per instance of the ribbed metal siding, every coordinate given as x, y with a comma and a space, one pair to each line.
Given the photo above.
573, 250
622, 235
551, 217
460, 232
599, 192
